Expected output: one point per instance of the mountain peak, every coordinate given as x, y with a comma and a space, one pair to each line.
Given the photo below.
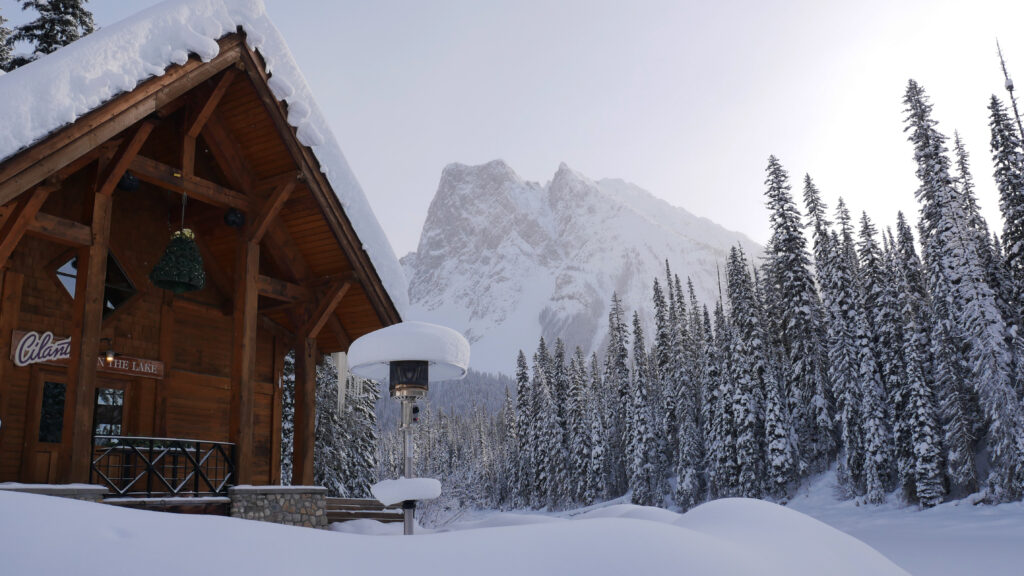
506, 261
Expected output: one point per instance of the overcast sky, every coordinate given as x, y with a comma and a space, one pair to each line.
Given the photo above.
686, 99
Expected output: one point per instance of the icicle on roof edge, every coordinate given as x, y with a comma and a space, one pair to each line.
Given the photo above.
54, 91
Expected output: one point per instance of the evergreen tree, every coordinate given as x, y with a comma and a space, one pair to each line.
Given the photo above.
595, 487
579, 428
287, 417
797, 315
781, 464
362, 453
525, 436
748, 366
512, 494
616, 397
1008, 157
969, 312
917, 435
723, 465
640, 441
548, 445
60, 23
6, 45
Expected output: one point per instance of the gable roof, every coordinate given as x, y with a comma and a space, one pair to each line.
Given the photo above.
44, 96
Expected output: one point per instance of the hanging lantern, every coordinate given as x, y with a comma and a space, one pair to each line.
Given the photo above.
180, 269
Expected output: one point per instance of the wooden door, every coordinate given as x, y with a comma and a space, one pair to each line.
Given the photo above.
48, 427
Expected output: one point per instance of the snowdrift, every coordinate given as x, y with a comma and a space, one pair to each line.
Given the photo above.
725, 537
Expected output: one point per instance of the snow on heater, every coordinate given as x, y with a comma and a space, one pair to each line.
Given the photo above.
410, 355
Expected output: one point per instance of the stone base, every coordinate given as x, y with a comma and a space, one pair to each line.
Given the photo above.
87, 492
291, 505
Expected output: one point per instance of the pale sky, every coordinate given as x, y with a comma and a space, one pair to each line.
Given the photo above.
685, 99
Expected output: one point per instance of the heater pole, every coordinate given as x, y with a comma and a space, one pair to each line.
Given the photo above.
408, 508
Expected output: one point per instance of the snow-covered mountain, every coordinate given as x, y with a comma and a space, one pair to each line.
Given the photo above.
506, 261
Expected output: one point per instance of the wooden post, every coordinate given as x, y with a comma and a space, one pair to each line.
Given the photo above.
305, 411
10, 307
85, 338
167, 357
243, 365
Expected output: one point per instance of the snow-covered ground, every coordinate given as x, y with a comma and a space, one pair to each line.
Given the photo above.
48, 535
954, 538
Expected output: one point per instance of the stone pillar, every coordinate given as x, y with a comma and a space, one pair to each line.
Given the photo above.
291, 505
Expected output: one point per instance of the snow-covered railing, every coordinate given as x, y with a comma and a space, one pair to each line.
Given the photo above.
145, 466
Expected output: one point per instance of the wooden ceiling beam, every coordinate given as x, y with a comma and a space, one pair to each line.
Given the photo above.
280, 289
126, 152
60, 230
227, 154
315, 179
68, 144
271, 208
173, 179
19, 220
196, 126
325, 308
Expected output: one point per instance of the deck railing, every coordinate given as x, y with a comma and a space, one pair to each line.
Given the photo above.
144, 466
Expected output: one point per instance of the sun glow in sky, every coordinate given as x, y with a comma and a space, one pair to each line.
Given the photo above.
686, 99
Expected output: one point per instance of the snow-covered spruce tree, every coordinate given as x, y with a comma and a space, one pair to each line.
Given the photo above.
641, 448
510, 497
331, 436
548, 445
874, 415
666, 384
969, 313
748, 364
363, 453
60, 23
918, 437
723, 461
287, 417
781, 463
522, 453
1008, 158
616, 397
558, 376
838, 282
796, 312
821, 404
578, 430
6, 45
595, 487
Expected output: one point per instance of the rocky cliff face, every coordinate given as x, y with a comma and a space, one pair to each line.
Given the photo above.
506, 261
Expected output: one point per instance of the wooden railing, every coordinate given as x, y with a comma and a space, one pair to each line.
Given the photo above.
144, 466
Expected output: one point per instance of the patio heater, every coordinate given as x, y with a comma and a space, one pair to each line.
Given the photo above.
409, 356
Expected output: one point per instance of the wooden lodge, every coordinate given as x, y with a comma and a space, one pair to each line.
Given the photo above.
106, 378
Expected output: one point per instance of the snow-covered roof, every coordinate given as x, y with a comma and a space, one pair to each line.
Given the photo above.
54, 91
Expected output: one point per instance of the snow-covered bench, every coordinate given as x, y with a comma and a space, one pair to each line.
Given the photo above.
343, 509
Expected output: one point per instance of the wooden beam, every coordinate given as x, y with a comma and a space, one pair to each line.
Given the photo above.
321, 190
175, 180
85, 338
19, 220
123, 157
271, 208
10, 308
206, 111
68, 144
281, 290
228, 154
60, 230
243, 363
305, 411
316, 320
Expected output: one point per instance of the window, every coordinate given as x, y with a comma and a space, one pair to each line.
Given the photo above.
51, 418
116, 290
107, 412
